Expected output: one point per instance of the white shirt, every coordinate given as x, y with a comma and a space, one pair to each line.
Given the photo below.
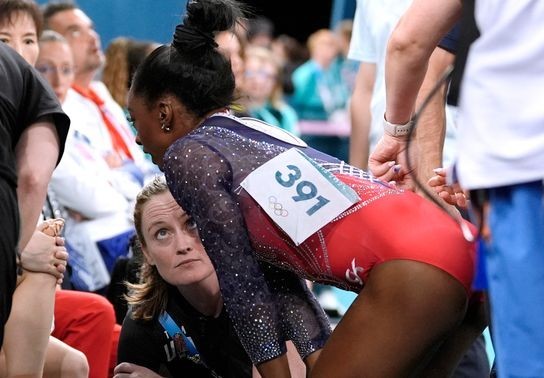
372, 25
501, 132
84, 183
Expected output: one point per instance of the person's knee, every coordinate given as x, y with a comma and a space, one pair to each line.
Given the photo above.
102, 310
75, 365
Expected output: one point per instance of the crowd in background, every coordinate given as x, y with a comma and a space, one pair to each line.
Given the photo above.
327, 90
279, 80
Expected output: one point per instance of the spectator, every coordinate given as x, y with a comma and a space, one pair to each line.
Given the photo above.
291, 54
263, 95
321, 95
84, 321
98, 197
123, 56
260, 31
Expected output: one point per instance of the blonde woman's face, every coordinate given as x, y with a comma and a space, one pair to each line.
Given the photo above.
20, 33
172, 243
56, 64
260, 79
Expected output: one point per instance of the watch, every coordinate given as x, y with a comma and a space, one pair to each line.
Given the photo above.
397, 130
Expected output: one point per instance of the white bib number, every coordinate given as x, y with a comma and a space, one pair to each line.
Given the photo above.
298, 194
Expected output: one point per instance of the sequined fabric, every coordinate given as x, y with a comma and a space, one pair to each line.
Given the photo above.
267, 305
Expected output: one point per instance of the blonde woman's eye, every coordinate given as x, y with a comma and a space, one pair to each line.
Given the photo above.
191, 224
161, 234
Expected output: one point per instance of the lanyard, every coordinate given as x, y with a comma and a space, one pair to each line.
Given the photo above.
119, 144
174, 331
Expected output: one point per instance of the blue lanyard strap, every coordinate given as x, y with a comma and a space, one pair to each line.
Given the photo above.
174, 331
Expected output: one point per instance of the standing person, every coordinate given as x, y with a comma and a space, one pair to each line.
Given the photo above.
32, 133
500, 96
412, 295
177, 283
372, 24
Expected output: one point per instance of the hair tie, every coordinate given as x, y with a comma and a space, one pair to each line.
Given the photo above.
193, 38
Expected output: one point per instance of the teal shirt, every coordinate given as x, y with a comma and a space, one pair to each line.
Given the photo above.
283, 117
317, 92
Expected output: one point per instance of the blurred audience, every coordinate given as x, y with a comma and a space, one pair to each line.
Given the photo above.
232, 46
291, 54
123, 56
260, 31
104, 168
349, 67
34, 130
85, 321
263, 90
321, 95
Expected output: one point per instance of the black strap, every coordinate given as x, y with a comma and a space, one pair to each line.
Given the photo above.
469, 33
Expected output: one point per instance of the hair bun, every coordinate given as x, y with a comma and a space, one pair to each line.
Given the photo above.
188, 38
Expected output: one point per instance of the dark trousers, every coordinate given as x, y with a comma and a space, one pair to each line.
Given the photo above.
9, 236
475, 363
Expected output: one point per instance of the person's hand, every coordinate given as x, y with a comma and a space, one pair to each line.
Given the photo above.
388, 161
128, 370
45, 254
452, 194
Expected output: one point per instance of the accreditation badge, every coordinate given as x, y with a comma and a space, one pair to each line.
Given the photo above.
298, 194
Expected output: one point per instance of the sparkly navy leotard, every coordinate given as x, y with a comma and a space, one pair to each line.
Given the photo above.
204, 170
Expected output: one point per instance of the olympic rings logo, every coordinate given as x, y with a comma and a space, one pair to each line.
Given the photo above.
277, 207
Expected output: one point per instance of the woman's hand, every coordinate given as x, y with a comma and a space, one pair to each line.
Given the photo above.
45, 254
388, 161
128, 370
452, 194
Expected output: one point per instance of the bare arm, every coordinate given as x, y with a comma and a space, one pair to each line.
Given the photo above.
297, 367
409, 49
275, 368
431, 128
127, 370
360, 115
408, 52
36, 153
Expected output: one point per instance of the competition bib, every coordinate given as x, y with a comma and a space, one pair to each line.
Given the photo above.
298, 194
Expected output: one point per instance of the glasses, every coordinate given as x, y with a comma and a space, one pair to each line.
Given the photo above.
260, 73
46, 69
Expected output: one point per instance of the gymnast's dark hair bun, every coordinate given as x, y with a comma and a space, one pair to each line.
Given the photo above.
202, 20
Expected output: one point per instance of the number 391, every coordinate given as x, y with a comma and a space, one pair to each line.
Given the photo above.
305, 189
